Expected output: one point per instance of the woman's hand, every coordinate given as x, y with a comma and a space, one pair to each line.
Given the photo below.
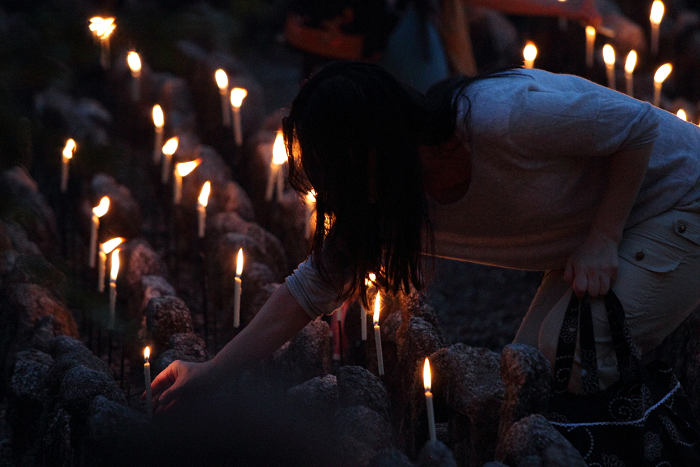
180, 380
593, 266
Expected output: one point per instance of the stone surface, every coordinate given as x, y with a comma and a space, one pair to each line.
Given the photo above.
319, 393
189, 347
45, 329
357, 386
525, 374
233, 198
69, 353
123, 218
365, 425
166, 316
390, 458
531, 437
34, 269
56, 449
151, 287
138, 259
305, 356
111, 428
435, 454
81, 385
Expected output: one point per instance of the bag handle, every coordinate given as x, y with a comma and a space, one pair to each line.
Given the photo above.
579, 311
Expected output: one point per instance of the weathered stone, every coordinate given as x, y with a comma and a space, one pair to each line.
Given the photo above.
213, 169
27, 397
467, 380
189, 347
305, 356
138, 259
163, 360
81, 385
45, 329
254, 294
166, 316
111, 427
365, 425
436, 454
525, 374
531, 437
69, 353
123, 219
390, 458
233, 198
390, 327
353, 452
357, 386
151, 287
56, 444
13, 237
37, 270
319, 393
62, 344
561, 453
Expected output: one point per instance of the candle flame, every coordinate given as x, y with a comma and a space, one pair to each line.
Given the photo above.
110, 245
69, 149
608, 55
310, 198
279, 152
237, 96
377, 307
662, 73
530, 51
102, 27
101, 209
170, 146
427, 382
146, 354
115, 265
681, 114
631, 61
134, 62
657, 12
185, 168
590, 31
221, 79
204, 194
158, 118
239, 263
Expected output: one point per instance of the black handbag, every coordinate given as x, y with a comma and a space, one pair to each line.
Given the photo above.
644, 419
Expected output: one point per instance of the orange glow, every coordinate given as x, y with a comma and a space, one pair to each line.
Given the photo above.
134, 62
377, 307
657, 12
608, 55
69, 149
185, 168
158, 118
310, 198
279, 152
426, 375
239, 263
204, 194
146, 354
115, 265
631, 61
170, 146
662, 73
530, 51
110, 245
237, 96
682, 115
221, 79
101, 209
590, 31
102, 27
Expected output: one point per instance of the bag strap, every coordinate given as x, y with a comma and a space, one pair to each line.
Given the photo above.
628, 361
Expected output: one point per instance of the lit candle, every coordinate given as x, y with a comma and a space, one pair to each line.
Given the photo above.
310, 202
237, 290
659, 77
202, 209
67, 156
529, 54
363, 312
134, 62
630, 63
182, 169
657, 13
158, 121
609, 59
276, 176
169, 149
147, 380
222, 82
378, 335
105, 249
102, 28
681, 114
113, 289
590, 44
237, 96
97, 212
429, 399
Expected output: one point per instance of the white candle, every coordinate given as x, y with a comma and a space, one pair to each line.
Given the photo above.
609, 59
427, 384
378, 335
105, 249
237, 96
276, 177
168, 150
147, 380
158, 121
97, 212
659, 77
222, 82
237, 290
590, 44
182, 169
630, 63
102, 28
113, 290
134, 62
657, 13
68, 151
529, 54
202, 209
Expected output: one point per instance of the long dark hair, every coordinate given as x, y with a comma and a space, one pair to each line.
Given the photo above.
352, 136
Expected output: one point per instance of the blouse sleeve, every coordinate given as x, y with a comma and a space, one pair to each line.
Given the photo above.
595, 123
315, 295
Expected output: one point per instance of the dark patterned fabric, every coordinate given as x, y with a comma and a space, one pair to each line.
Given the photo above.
642, 420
